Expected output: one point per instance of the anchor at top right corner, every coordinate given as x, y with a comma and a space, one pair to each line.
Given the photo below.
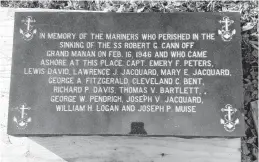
225, 32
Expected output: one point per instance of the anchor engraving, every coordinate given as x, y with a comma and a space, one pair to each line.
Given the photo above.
229, 124
225, 33
29, 32
23, 121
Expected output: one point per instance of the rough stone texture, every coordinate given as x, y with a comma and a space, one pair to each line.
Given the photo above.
216, 93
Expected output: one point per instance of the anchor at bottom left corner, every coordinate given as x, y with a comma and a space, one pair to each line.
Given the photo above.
22, 119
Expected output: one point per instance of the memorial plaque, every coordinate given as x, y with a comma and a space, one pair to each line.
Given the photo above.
173, 74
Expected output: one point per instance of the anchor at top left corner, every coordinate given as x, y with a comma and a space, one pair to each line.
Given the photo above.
28, 30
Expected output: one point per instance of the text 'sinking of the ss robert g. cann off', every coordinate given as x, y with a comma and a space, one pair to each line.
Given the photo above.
126, 74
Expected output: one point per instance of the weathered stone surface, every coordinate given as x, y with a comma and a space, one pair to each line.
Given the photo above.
35, 41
